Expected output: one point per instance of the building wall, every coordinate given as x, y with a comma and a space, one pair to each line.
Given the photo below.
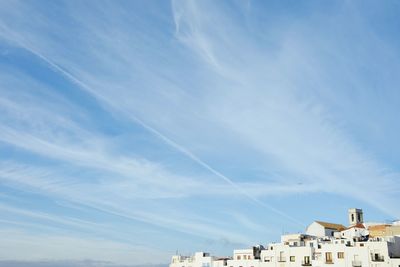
393, 230
243, 254
377, 252
243, 263
341, 252
315, 229
200, 259
284, 255
395, 263
377, 230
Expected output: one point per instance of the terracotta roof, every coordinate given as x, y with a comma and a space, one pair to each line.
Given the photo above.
358, 225
333, 226
378, 227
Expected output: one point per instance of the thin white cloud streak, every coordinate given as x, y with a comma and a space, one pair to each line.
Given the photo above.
81, 147
49, 181
11, 37
48, 217
54, 225
117, 207
326, 154
259, 99
46, 180
289, 159
90, 195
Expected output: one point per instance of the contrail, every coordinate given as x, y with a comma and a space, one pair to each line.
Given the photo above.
155, 132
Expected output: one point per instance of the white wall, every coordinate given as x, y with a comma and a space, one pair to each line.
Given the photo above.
315, 229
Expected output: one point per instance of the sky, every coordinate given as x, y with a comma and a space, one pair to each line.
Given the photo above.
134, 130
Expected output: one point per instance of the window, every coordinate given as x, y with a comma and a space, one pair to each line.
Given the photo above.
281, 257
306, 260
352, 217
328, 257
340, 255
377, 257
359, 217
292, 258
238, 257
361, 245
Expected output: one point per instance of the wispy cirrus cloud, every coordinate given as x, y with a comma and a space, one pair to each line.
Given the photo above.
266, 106
198, 122
114, 105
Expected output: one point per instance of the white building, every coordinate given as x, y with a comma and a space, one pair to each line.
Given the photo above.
323, 245
355, 216
322, 229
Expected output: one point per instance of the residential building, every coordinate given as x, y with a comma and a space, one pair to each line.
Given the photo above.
323, 245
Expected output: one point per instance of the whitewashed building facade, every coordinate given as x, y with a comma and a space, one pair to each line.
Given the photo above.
320, 246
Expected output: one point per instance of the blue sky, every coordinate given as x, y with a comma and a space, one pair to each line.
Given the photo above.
130, 130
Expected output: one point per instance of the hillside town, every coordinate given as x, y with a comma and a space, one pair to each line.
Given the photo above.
361, 244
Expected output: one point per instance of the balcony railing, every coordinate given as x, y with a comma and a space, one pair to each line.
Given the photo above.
306, 263
328, 262
281, 259
379, 258
356, 263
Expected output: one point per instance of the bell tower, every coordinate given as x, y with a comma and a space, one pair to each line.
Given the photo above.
355, 216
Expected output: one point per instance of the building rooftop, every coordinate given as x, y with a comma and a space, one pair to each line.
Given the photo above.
333, 226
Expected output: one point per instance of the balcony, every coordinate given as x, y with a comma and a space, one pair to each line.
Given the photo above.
356, 263
281, 259
306, 263
378, 258
328, 262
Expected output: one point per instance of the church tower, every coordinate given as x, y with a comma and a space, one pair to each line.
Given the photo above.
355, 216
